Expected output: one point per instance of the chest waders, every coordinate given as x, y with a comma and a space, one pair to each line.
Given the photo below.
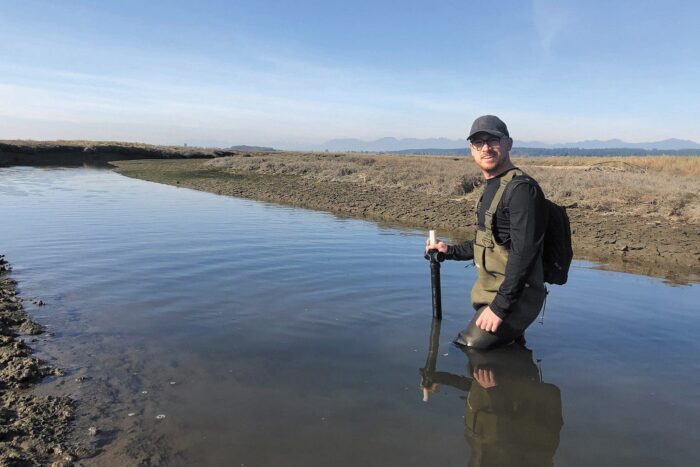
490, 260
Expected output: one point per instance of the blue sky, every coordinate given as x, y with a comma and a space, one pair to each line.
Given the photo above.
296, 73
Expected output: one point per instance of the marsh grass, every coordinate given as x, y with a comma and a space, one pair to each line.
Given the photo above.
653, 186
647, 186
672, 165
88, 143
430, 175
107, 146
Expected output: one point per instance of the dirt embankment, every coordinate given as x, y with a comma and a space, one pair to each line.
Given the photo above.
78, 153
34, 430
653, 242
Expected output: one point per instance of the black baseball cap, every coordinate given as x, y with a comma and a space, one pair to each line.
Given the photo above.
489, 124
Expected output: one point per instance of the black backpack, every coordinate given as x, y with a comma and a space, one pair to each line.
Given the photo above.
558, 253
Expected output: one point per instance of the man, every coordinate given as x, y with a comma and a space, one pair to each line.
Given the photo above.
507, 250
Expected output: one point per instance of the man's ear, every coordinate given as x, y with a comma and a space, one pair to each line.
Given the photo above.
509, 144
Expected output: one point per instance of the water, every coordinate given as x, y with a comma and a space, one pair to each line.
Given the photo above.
269, 335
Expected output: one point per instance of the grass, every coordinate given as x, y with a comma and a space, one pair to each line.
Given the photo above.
428, 174
148, 150
648, 186
86, 143
672, 165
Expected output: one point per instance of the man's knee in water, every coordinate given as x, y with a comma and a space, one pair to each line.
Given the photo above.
475, 338
478, 339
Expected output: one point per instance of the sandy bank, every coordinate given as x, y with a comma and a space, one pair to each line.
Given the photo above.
655, 244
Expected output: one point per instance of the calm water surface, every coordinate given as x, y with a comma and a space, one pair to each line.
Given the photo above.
268, 335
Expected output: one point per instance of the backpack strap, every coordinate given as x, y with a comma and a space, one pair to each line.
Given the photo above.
517, 181
491, 211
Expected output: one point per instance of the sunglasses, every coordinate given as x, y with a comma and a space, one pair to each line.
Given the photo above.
493, 142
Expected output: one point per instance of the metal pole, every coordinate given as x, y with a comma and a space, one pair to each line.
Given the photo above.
435, 258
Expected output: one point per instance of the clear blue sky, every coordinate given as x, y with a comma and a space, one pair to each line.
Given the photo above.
296, 73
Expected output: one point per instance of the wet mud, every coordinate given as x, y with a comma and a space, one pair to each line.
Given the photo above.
34, 429
57, 417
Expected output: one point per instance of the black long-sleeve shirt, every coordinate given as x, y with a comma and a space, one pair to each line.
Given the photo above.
519, 225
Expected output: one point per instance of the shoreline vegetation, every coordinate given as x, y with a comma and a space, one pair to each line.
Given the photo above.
78, 153
637, 214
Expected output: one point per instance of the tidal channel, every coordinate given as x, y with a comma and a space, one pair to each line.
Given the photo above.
197, 329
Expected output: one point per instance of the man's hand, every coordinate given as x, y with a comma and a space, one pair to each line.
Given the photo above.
488, 320
439, 246
485, 378
428, 390
432, 388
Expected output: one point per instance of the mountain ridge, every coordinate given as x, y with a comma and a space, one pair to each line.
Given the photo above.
388, 144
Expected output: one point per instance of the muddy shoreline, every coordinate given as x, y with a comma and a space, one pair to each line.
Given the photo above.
34, 430
619, 242
79, 153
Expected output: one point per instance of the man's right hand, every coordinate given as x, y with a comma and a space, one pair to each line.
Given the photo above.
439, 246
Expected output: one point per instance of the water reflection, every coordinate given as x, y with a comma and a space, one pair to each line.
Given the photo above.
511, 416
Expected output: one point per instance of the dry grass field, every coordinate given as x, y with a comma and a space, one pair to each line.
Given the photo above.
650, 186
673, 165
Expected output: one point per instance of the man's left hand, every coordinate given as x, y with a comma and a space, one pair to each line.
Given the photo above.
488, 320
485, 378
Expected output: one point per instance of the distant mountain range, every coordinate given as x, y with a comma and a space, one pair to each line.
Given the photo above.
516, 151
435, 144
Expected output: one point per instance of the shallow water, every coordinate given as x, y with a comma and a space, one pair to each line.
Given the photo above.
269, 335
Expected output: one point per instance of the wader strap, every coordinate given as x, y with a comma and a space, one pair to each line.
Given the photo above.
491, 211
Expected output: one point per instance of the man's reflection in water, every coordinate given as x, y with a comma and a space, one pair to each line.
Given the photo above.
512, 418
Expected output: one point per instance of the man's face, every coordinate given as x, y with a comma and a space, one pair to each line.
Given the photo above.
494, 153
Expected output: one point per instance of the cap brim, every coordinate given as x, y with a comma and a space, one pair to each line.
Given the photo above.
490, 132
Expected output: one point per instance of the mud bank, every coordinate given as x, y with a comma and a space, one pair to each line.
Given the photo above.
628, 243
34, 430
47, 153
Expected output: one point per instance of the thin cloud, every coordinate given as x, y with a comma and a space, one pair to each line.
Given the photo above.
550, 17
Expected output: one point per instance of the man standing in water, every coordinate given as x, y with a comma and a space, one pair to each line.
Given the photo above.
507, 250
